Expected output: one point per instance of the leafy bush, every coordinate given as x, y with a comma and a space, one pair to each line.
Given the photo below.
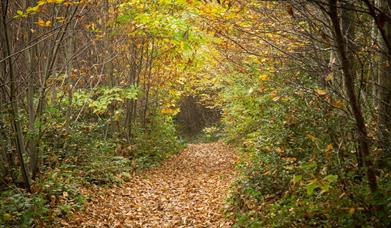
157, 141
20, 209
107, 170
54, 195
211, 134
82, 157
298, 165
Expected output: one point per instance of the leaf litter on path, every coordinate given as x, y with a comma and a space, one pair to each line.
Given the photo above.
187, 190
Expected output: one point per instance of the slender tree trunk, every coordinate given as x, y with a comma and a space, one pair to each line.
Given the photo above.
384, 116
139, 74
131, 82
14, 113
373, 64
31, 67
148, 83
349, 77
348, 31
69, 50
7, 157
109, 66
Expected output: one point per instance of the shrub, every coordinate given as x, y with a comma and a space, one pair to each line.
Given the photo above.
157, 141
299, 163
18, 208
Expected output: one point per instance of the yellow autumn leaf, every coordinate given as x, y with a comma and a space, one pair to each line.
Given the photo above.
32, 10
117, 115
43, 23
274, 93
262, 60
263, 77
60, 19
351, 211
20, 13
40, 22
55, 1
337, 103
311, 137
167, 111
276, 98
329, 77
329, 148
321, 92
48, 23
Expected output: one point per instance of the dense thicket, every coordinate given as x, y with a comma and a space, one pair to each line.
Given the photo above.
92, 90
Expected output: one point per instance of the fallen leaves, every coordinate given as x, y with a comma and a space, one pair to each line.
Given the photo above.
187, 190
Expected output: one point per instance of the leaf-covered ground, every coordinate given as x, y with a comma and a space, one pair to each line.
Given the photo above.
186, 190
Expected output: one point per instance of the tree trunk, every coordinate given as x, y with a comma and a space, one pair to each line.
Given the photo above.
148, 83
373, 63
349, 77
31, 68
384, 115
14, 110
69, 50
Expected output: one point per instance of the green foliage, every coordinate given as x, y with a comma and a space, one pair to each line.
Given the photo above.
211, 134
82, 157
207, 135
293, 174
107, 170
99, 100
86, 156
18, 208
54, 196
157, 141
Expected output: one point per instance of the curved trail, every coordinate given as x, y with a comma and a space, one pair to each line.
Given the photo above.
187, 190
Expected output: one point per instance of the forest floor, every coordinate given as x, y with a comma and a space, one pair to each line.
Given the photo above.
187, 190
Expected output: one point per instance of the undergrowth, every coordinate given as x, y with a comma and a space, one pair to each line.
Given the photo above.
83, 157
298, 164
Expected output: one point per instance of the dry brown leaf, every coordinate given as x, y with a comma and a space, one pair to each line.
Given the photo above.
187, 190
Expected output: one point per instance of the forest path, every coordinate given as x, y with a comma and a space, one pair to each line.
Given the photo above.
187, 190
